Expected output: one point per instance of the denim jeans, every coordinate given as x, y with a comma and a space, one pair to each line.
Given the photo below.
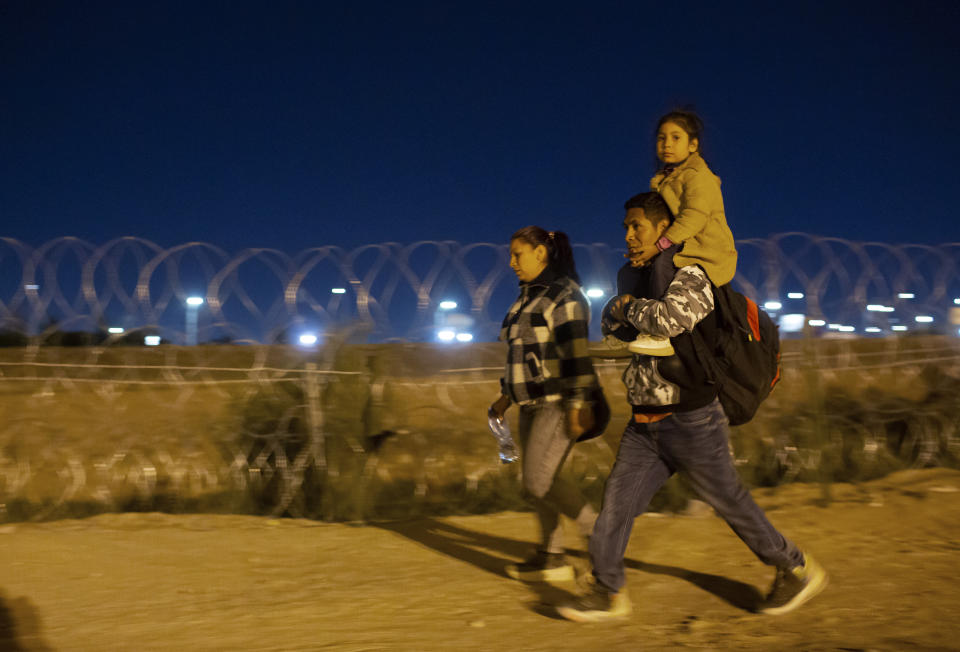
695, 443
544, 445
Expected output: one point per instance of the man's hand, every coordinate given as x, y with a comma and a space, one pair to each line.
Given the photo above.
579, 420
640, 257
618, 308
499, 407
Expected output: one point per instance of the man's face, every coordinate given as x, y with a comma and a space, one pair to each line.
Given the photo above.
641, 234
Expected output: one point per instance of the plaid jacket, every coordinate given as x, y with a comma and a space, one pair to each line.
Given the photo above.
546, 329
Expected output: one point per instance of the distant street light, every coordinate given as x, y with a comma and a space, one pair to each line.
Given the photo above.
193, 307
448, 305
594, 293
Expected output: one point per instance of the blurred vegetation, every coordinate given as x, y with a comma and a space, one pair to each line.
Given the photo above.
367, 432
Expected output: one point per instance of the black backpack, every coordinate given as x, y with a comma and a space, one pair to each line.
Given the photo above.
745, 364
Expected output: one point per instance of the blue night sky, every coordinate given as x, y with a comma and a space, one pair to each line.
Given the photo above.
298, 124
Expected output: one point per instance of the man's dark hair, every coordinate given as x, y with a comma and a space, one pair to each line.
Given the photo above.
654, 208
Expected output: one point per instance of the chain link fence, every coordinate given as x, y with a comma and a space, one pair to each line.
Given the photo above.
239, 409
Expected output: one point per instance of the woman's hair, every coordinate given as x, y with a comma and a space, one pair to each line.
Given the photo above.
559, 251
689, 121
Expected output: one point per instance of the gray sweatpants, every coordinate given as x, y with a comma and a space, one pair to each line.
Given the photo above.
544, 446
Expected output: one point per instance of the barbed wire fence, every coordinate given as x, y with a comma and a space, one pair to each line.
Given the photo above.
239, 409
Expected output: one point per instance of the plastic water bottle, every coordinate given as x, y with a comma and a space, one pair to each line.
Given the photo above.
500, 430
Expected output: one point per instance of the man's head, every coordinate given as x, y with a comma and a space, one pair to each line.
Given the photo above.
647, 218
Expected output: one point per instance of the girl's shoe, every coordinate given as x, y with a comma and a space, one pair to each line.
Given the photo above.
651, 345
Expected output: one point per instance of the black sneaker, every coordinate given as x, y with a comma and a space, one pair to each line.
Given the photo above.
794, 586
597, 606
542, 567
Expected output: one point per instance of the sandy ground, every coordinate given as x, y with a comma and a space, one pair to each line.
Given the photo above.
199, 582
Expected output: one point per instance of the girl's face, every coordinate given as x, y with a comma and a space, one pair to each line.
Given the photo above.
527, 261
673, 143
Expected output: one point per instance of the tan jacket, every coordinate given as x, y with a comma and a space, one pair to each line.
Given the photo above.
692, 192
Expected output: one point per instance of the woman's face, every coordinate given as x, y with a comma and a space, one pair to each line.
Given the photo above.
673, 143
527, 261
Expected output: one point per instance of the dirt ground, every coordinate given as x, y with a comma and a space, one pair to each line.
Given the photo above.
200, 582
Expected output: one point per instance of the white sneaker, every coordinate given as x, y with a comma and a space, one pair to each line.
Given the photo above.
651, 345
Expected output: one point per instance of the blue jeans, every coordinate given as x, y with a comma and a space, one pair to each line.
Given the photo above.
695, 443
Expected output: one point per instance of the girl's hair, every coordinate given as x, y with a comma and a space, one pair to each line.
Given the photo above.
559, 251
689, 121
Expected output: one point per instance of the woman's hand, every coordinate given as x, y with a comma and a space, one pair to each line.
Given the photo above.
499, 407
579, 420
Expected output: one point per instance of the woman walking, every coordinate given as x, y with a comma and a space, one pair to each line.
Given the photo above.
550, 376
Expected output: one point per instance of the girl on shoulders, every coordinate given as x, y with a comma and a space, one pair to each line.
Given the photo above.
692, 191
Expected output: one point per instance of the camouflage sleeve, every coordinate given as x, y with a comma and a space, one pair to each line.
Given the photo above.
688, 300
571, 330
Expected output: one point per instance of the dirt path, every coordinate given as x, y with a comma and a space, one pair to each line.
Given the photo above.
165, 582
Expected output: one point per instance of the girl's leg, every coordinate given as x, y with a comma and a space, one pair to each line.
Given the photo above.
545, 445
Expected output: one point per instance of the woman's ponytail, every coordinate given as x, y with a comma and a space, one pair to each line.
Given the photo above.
562, 258
559, 250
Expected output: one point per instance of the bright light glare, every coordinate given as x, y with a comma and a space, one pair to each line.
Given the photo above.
31, 286
794, 295
872, 329
846, 329
152, 340
194, 301
446, 336
448, 305
773, 305
923, 319
834, 327
116, 330
464, 337
594, 293
876, 307
338, 291
957, 301
899, 327
308, 339
792, 323
905, 295
816, 322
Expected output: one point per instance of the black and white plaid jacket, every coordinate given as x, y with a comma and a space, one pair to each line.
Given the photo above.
546, 329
